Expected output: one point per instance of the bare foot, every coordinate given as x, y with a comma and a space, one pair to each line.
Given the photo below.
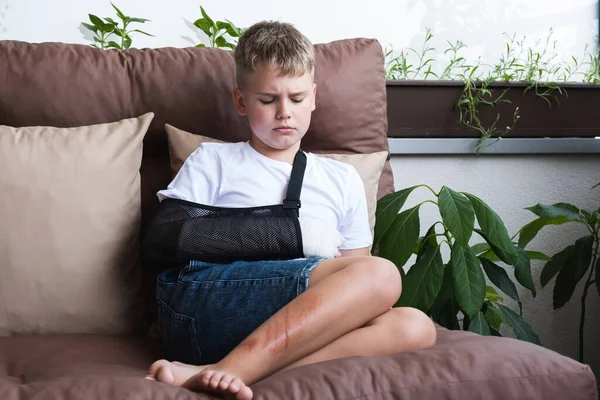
200, 378
220, 383
175, 373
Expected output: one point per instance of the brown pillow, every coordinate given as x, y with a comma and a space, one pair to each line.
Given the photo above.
70, 212
368, 166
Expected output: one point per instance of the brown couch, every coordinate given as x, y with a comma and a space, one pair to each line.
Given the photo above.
65, 85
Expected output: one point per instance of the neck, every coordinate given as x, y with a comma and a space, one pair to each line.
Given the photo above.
285, 155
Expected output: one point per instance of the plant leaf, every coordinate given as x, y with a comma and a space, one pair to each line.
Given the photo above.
387, 209
458, 215
598, 275
142, 32
521, 328
221, 42
205, 15
479, 325
126, 42
553, 266
492, 296
494, 230
233, 30
500, 278
494, 332
401, 237
480, 248
90, 27
222, 25
422, 282
443, 296
96, 20
496, 253
204, 26
529, 231
119, 13
449, 315
572, 271
200, 45
430, 242
556, 210
538, 255
492, 316
523, 270
114, 45
468, 280
139, 20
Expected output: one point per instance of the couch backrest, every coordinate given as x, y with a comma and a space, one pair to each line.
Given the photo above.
68, 85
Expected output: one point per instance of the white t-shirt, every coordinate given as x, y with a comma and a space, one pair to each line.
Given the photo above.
236, 175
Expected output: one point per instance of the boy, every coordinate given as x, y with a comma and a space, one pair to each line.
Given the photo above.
241, 322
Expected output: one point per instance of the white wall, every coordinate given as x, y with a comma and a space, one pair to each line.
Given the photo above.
399, 23
508, 184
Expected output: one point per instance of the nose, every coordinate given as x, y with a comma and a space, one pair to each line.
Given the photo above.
283, 111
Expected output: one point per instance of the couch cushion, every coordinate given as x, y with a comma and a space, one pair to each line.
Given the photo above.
68, 85
368, 166
70, 212
460, 366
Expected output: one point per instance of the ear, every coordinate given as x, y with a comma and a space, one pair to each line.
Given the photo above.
239, 102
314, 97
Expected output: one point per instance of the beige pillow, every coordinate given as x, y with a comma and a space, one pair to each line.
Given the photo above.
70, 211
368, 166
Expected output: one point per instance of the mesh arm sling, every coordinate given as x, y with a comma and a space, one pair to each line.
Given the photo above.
182, 231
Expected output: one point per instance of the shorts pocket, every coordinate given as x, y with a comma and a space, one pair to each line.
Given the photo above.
179, 335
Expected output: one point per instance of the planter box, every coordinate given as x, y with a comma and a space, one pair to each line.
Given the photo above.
427, 109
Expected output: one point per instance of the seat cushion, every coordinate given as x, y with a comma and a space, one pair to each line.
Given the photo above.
462, 365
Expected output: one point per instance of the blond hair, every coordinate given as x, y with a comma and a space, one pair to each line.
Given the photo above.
275, 43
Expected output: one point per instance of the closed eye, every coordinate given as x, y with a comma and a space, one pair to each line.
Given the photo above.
297, 100
266, 101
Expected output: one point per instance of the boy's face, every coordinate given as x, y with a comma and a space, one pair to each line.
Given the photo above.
278, 106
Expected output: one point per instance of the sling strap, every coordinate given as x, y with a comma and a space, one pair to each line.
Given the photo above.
292, 197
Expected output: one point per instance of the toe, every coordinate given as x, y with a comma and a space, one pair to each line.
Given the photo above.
235, 385
155, 367
216, 379
245, 393
164, 374
205, 377
226, 382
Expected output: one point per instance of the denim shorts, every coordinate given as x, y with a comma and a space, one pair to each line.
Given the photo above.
206, 309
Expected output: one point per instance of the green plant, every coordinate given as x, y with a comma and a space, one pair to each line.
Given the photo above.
445, 290
572, 263
105, 28
218, 32
538, 67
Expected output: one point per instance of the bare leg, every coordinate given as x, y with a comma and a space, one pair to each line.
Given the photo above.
367, 286
397, 330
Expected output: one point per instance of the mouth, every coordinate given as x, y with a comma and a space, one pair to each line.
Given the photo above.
284, 129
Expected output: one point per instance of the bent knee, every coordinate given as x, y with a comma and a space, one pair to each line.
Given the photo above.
383, 277
415, 327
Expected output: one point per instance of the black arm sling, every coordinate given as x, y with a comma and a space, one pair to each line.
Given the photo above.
182, 231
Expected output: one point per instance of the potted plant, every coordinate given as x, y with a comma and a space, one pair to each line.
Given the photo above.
576, 262
453, 291
527, 93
